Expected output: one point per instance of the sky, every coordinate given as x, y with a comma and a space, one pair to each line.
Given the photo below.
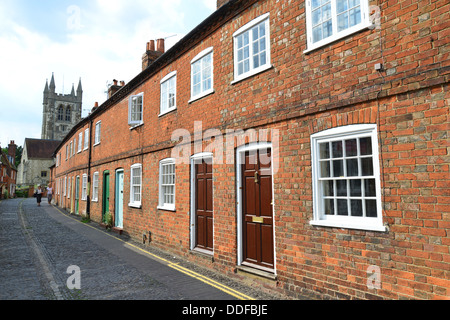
95, 40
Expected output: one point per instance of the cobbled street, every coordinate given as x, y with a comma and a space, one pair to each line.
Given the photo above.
39, 244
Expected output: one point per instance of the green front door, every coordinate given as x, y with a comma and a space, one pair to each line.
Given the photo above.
77, 194
105, 207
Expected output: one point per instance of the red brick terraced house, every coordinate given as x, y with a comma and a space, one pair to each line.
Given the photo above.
301, 144
8, 172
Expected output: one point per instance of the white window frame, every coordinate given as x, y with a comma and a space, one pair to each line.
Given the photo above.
130, 105
166, 81
80, 141
162, 196
265, 18
86, 139
133, 202
340, 221
65, 186
365, 23
84, 187
200, 58
69, 188
98, 132
95, 178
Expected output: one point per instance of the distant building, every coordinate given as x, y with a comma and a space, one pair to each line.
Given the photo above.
60, 111
8, 171
37, 158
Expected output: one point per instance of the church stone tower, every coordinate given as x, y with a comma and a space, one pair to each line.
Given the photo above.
61, 111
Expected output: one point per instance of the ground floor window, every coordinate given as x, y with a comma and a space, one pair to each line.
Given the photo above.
167, 184
346, 178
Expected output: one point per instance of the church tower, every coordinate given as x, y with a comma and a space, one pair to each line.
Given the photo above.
60, 111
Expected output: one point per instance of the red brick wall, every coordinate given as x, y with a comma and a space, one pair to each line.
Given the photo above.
303, 94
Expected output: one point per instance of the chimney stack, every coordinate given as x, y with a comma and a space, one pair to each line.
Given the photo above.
115, 87
12, 149
221, 3
151, 54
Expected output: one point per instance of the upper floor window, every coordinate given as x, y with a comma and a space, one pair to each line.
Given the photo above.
98, 127
80, 141
329, 20
252, 48
202, 74
135, 109
86, 138
346, 178
168, 93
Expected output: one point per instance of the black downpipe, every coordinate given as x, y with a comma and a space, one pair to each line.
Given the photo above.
88, 204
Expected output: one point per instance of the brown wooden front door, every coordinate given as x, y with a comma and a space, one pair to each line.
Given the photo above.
204, 204
257, 208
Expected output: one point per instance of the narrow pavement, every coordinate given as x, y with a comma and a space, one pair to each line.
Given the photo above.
44, 251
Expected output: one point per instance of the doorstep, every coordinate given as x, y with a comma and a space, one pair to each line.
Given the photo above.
256, 273
117, 230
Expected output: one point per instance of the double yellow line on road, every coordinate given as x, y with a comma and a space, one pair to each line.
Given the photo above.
176, 266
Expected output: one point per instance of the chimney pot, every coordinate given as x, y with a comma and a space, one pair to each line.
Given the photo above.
152, 45
115, 82
160, 45
122, 83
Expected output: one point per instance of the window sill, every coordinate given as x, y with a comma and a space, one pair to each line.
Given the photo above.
335, 38
347, 225
136, 125
251, 73
167, 111
96, 144
135, 205
202, 95
166, 207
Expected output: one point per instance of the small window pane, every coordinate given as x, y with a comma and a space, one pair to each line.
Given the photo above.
324, 150
367, 166
325, 169
328, 206
337, 149
365, 145
369, 188
328, 189
355, 188
342, 207
356, 208
341, 186
371, 208
351, 149
352, 167
338, 168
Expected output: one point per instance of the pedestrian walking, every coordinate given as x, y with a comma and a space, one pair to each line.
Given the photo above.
49, 193
38, 195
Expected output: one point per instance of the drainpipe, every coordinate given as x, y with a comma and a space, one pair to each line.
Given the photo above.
88, 203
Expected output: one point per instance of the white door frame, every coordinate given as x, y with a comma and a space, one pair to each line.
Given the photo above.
239, 160
193, 225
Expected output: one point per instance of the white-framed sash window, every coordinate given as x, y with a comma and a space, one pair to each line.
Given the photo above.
330, 20
346, 178
252, 48
167, 184
136, 186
